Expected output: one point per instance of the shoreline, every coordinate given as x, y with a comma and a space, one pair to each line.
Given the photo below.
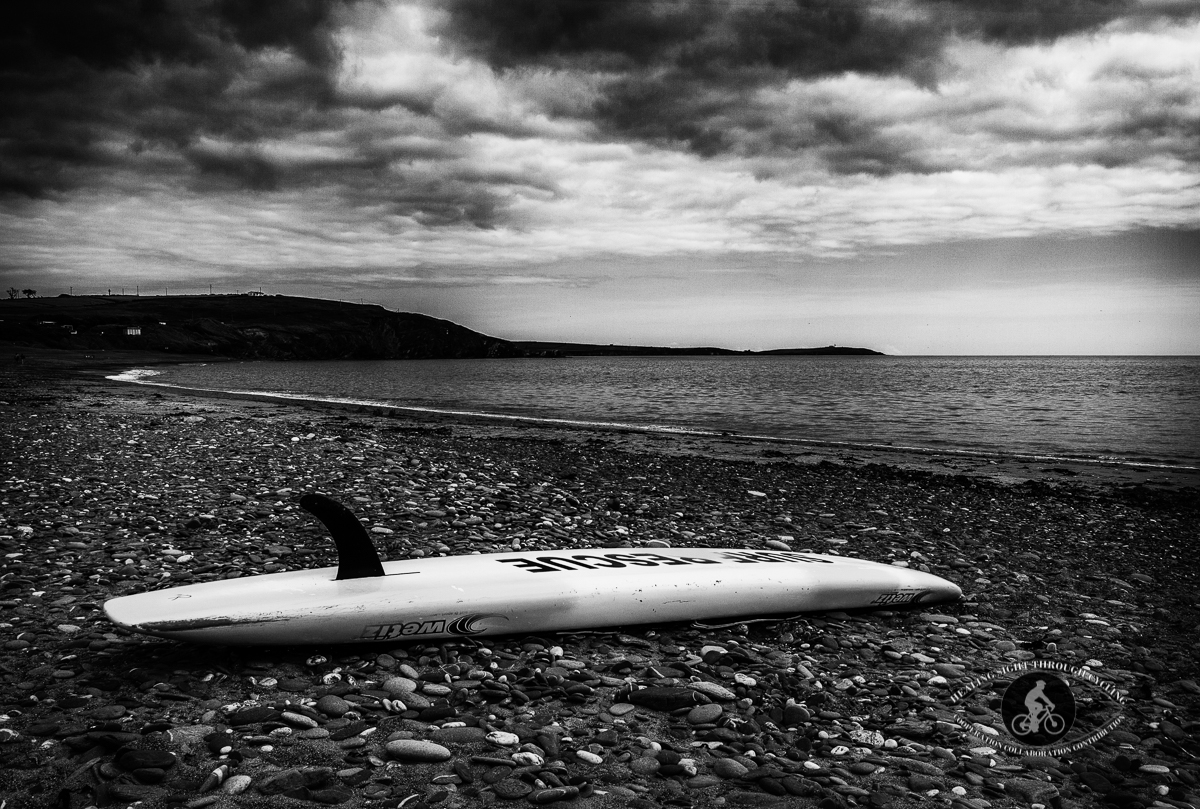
399, 411
112, 489
1008, 467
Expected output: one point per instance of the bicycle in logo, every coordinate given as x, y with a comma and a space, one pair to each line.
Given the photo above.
1038, 708
1039, 716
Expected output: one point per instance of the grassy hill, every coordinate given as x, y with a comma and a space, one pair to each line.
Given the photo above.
280, 327
241, 326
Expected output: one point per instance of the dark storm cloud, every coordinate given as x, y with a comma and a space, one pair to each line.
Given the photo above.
220, 96
687, 72
78, 76
798, 37
60, 34
708, 37
1023, 22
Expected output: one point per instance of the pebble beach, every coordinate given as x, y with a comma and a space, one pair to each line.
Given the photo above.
109, 489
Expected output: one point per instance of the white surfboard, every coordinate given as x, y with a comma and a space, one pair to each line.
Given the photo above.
364, 601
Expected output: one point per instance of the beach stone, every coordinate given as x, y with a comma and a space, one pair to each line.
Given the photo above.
298, 720
416, 700
294, 778
236, 784
333, 705
1096, 782
399, 686
502, 738
705, 714
108, 712
252, 716
553, 795
417, 750
621, 708
922, 767
510, 789
549, 743
142, 759
349, 731
918, 782
665, 698
795, 714
149, 775
463, 735
1031, 791
728, 768
713, 690
870, 738
436, 713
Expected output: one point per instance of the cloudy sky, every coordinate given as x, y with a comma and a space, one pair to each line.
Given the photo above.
917, 176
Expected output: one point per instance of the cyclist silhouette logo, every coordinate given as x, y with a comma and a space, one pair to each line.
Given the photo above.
1038, 708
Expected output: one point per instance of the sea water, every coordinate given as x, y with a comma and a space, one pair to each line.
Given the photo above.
1134, 410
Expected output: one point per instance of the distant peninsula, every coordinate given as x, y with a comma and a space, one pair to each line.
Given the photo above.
596, 350
281, 327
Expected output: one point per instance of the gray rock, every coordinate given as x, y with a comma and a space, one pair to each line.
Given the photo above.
417, 750
714, 690
705, 714
728, 768
332, 705
467, 735
645, 765
1031, 791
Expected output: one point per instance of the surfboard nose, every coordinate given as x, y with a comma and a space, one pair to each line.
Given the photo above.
939, 591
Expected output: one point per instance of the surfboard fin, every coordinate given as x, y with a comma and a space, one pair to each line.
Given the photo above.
357, 558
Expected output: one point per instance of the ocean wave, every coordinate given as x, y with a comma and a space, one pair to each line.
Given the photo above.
134, 375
